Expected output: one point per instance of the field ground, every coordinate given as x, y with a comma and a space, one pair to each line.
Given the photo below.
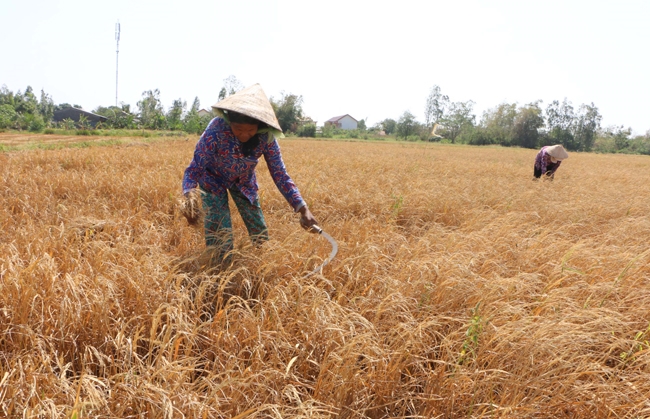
19, 141
461, 289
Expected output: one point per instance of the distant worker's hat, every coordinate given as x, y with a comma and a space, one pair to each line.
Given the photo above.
251, 102
557, 153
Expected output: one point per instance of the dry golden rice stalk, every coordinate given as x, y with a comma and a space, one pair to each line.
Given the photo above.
87, 226
190, 206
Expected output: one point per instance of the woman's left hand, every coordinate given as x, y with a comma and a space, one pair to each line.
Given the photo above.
307, 219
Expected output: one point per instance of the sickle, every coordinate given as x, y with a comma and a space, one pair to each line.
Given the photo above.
335, 248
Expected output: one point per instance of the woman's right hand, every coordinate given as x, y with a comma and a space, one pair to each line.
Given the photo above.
190, 207
307, 220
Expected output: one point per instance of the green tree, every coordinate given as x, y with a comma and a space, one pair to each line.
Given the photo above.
389, 126
459, 118
175, 115
7, 97
307, 130
62, 106
192, 121
46, 107
498, 124
230, 86
586, 126
621, 137
406, 125
35, 122
7, 116
288, 110
526, 126
83, 122
69, 124
560, 120
436, 106
361, 125
196, 105
151, 110
327, 131
26, 103
613, 139
640, 144
117, 116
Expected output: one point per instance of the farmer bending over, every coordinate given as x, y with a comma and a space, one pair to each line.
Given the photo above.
548, 160
224, 162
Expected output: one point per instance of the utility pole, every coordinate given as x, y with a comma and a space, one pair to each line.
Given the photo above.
117, 53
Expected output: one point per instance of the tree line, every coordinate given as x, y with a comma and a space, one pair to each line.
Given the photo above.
26, 111
509, 124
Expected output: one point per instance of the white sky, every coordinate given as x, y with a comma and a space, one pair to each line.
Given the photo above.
370, 59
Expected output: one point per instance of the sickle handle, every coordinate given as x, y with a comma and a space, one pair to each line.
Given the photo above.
315, 229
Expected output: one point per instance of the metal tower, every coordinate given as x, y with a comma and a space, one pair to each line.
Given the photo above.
117, 53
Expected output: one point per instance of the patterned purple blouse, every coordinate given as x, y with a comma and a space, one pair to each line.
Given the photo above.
220, 164
544, 163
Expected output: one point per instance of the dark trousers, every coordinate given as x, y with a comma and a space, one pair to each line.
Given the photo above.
538, 172
218, 224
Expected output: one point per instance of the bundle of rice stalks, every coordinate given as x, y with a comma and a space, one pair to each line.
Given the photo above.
87, 226
190, 207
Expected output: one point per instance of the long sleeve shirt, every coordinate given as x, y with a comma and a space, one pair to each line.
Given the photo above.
543, 162
219, 164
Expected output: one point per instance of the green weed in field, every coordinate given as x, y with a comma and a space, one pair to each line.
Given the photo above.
470, 345
398, 201
641, 343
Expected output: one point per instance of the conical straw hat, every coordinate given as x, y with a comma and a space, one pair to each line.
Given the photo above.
251, 102
557, 152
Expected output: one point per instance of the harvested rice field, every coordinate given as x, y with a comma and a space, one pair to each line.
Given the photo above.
18, 140
461, 289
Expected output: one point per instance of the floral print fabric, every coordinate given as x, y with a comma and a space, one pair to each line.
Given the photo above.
220, 164
543, 163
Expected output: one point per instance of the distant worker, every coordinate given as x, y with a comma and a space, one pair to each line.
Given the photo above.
434, 136
548, 160
224, 162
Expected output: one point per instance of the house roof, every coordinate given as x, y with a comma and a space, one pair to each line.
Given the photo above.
338, 118
75, 113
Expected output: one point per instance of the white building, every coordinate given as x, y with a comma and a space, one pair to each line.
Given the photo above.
342, 122
204, 112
